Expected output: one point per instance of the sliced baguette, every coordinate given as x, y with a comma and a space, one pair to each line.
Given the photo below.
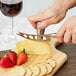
43, 69
52, 62
35, 70
28, 72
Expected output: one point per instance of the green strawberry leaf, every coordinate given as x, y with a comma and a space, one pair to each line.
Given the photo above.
1, 57
24, 51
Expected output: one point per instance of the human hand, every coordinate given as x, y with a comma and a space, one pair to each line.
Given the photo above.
67, 32
52, 14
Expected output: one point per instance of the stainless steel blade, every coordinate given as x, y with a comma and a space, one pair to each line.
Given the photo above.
46, 37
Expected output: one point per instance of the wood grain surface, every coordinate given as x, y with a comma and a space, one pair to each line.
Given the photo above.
69, 68
60, 57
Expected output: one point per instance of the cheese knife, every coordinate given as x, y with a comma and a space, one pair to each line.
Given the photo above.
45, 37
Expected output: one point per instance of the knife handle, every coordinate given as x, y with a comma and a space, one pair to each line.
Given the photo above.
40, 31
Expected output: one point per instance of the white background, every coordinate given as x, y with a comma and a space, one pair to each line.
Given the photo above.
30, 7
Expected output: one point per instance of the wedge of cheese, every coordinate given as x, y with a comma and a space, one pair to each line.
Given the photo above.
34, 47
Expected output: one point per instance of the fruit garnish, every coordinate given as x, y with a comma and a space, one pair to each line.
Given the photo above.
5, 62
21, 57
12, 56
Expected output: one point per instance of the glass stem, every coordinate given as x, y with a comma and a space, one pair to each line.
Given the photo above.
12, 29
12, 25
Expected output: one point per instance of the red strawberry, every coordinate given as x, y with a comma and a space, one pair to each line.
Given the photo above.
12, 56
21, 58
5, 62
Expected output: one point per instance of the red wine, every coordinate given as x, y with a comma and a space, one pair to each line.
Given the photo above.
0, 5
11, 9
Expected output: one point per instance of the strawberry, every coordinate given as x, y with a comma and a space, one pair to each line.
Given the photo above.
5, 62
21, 58
12, 56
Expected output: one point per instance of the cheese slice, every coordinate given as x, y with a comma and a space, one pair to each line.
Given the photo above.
34, 47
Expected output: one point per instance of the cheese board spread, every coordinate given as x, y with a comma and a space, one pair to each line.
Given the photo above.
43, 59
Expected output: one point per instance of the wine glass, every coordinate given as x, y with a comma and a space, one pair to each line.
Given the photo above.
11, 8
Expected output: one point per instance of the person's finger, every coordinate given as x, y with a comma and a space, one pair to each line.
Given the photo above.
67, 36
46, 23
70, 41
33, 23
60, 33
37, 17
74, 37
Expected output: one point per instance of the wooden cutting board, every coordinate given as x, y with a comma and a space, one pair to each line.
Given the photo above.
59, 56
